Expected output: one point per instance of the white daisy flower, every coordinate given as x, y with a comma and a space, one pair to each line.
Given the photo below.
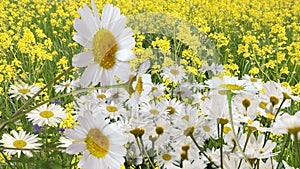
67, 85
19, 141
100, 142
232, 84
287, 123
174, 72
109, 45
47, 115
26, 91
112, 110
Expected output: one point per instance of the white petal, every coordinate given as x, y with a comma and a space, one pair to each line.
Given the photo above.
76, 148
83, 41
125, 55
123, 71
82, 59
88, 74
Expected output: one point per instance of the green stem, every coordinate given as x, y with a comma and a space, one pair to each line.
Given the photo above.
145, 152
33, 149
282, 150
229, 99
297, 148
245, 146
201, 150
221, 146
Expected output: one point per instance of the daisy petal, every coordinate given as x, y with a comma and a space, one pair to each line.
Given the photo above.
82, 59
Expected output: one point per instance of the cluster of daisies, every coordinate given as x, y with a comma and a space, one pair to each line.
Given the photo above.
132, 120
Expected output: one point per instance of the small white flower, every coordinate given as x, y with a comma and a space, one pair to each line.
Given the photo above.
26, 91
174, 72
20, 140
47, 115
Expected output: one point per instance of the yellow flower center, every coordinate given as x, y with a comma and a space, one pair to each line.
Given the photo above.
246, 103
174, 71
166, 157
97, 143
153, 111
232, 87
206, 128
171, 110
19, 143
67, 84
111, 109
153, 89
294, 130
24, 90
226, 129
274, 100
101, 96
105, 47
159, 130
270, 115
139, 86
46, 114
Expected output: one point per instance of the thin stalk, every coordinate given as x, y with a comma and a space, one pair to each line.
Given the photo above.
245, 146
297, 148
200, 149
221, 146
283, 149
229, 99
33, 149
145, 152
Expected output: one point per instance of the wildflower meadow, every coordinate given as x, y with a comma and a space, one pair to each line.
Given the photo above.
139, 84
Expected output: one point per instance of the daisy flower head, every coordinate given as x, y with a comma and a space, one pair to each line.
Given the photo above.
101, 144
287, 123
174, 72
47, 115
18, 141
109, 45
232, 84
67, 85
24, 91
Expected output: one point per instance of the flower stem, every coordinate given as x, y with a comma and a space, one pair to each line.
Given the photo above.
282, 150
221, 145
201, 150
229, 99
297, 148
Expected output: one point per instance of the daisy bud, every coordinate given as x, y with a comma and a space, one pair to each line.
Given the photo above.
189, 131
185, 147
274, 100
223, 121
246, 103
159, 130
137, 132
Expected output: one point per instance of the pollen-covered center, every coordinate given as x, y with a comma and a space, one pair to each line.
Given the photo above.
101, 96
24, 90
111, 109
46, 114
139, 86
105, 47
166, 157
171, 110
174, 71
19, 143
232, 87
97, 143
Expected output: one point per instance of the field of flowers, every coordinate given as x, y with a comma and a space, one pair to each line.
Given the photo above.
170, 84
